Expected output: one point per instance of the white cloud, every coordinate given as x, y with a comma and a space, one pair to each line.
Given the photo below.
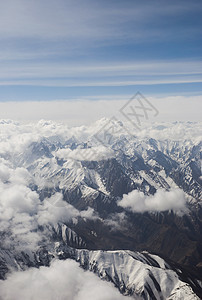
62, 280
19, 198
162, 200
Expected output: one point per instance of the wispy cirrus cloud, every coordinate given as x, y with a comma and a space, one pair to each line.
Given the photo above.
99, 44
112, 74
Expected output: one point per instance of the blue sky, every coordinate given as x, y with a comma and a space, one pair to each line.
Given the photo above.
64, 49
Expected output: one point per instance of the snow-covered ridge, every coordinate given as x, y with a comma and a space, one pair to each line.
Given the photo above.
136, 274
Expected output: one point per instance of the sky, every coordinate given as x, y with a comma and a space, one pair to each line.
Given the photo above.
94, 50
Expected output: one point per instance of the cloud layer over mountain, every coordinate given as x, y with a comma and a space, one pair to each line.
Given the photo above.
21, 209
62, 280
22, 212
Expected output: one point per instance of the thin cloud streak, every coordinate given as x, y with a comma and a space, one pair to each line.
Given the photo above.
61, 83
51, 69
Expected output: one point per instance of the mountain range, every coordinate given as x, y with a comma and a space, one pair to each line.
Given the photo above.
124, 204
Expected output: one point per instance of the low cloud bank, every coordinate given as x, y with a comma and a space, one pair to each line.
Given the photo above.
84, 111
162, 200
63, 280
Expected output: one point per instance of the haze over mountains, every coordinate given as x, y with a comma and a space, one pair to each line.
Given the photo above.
125, 204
